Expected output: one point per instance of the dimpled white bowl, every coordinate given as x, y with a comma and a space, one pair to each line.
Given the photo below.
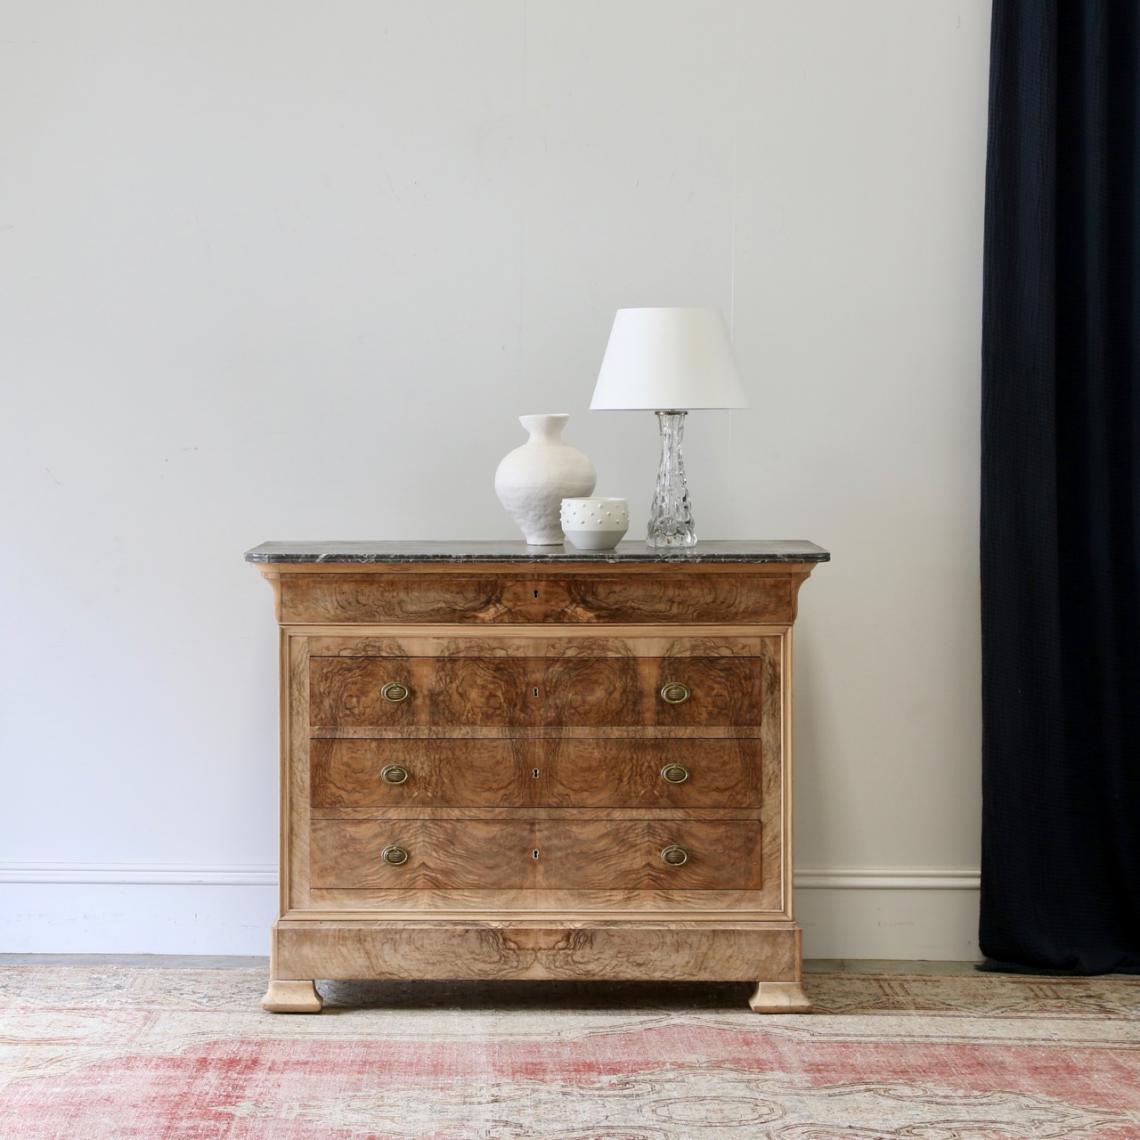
595, 523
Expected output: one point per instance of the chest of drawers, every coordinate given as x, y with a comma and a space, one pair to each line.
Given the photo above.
505, 762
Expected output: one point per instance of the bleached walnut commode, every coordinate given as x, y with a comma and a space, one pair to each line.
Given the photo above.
512, 762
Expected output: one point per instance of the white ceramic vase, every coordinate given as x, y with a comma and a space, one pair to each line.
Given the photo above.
532, 480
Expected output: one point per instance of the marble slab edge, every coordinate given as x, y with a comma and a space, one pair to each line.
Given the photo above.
366, 553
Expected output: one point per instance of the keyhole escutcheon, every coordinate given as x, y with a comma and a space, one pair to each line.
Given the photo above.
535, 773
534, 853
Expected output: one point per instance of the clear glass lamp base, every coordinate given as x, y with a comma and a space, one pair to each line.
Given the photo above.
671, 514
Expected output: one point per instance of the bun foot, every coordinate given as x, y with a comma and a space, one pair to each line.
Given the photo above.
779, 997
291, 997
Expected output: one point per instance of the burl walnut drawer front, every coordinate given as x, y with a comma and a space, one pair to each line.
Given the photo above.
579, 773
588, 855
421, 773
689, 773
686, 691
525, 691
424, 691
381, 599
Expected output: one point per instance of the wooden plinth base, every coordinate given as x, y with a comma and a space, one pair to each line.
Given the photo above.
363, 950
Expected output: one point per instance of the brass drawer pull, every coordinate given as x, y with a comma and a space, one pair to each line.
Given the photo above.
675, 856
394, 855
394, 774
395, 692
674, 692
674, 773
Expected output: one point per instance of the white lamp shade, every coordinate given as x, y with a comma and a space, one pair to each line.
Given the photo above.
668, 359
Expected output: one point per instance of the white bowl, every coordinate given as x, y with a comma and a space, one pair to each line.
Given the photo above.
595, 523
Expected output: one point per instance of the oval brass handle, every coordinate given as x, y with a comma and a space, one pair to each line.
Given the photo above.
394, 855
674, 773
394, 774
674, 692
395, 692
675, 856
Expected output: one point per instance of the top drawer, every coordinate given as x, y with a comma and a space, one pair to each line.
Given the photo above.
382, 598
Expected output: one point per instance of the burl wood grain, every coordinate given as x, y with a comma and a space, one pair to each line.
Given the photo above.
724, 690
693, 598
604, 773
442, 691
469, 773
614, 691
532, 773
590, 854
561, 691
379, 598
593, 691
442, 853
610, 953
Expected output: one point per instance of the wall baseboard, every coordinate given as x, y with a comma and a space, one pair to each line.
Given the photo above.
265, 874
143, 874
129, 908
889, 879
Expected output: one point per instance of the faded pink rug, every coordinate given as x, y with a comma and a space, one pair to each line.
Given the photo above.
119, 1051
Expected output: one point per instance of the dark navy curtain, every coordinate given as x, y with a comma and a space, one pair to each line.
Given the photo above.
1060, 508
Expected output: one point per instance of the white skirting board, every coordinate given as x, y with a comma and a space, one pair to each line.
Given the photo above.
928, 924
926, 913
135, 918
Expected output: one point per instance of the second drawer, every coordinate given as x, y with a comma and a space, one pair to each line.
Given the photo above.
536, 773
494, 853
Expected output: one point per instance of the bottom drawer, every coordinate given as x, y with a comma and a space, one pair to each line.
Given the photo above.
494, 853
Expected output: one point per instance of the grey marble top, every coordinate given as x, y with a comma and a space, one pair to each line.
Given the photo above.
714, 550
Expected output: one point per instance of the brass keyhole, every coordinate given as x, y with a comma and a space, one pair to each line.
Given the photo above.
534, 853
536, 593
534, 773
535, 690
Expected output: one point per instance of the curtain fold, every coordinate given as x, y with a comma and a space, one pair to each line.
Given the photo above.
1060, 509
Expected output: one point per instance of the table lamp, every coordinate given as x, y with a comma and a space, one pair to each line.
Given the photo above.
669, 361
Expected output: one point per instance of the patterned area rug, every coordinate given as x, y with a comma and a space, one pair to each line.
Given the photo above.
122, 1051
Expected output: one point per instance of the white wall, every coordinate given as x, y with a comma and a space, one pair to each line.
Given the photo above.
290, 270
